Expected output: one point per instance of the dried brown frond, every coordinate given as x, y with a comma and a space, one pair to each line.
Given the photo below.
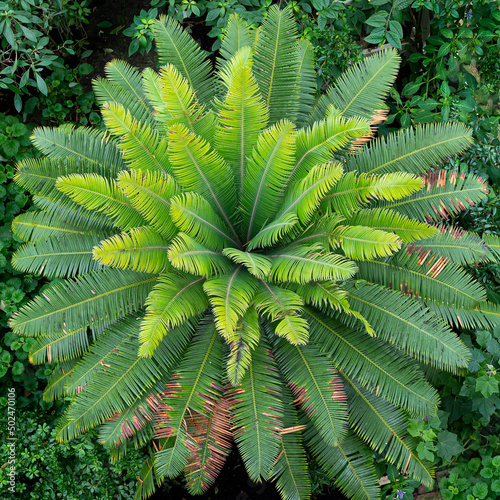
379, 117
213, 437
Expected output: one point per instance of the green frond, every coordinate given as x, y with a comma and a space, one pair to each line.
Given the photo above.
445, 194
266, 175
140, 145
171, 461
306, 82
150, 195
413, 275
178, 48
352, 192
350, 465
404, 322
361, 90
36, 226
411, 150
242, 342
189, 256
317, 143
385, 428
374, 364
39, 175
57, 380
148, 477
112, 389
193, 215
315, 384
237, 35
54, 257
256, 264
96, 299
133, 423
462, 247
493, 242
129, 78
92, 147
173, 300
361, 242
305, 263
408, 230
276, 64
152, 90
140, 249
180, 104
59, 347
319, 231
257, 414
230, 295
242, 114
274, 232
196, 383
303, 198
290, 470
197, 167
486, 315
94, 192
283, 306
108, 92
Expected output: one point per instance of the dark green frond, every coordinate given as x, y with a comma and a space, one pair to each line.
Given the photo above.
140, 249
361, 90
412, 150
460, 246
419, 274
374, 364
96, 299
257, 414
59, 347
405, 323
57, 257
316, 387
350, 464
237, 35
445, 193
385, 428
274, 232
276, 64
90, 146
58, 378
306, 82
178, 48
150, 195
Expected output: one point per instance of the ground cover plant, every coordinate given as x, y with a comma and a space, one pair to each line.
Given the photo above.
244, 267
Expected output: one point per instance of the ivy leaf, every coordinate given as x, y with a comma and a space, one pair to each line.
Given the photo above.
480, 490
475, 361
493, 347
487, 385
424, 451
482, 338
486, 406
448, 445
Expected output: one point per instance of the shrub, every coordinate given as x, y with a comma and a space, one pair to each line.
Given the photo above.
240, 265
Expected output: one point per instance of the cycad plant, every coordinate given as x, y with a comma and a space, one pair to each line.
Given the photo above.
243, 264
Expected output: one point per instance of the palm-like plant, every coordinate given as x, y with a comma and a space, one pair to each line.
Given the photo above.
241, 265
